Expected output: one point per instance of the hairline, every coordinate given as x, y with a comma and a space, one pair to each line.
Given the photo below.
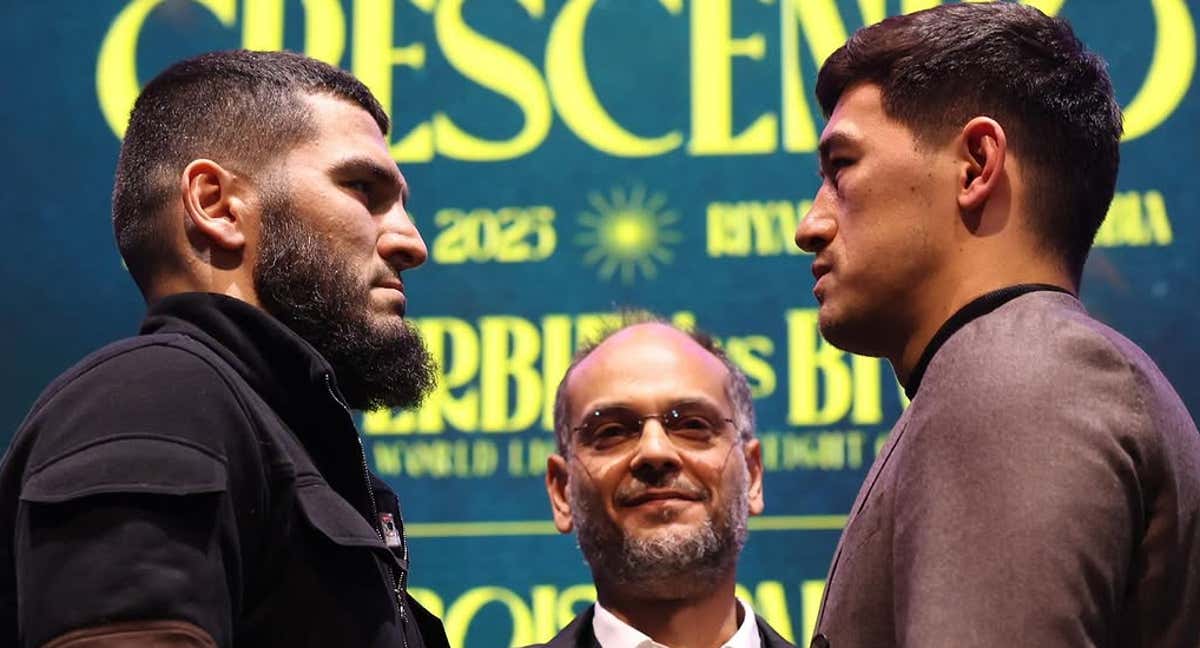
743, 417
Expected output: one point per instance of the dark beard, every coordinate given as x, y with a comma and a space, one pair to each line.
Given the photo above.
659, 566
300, 282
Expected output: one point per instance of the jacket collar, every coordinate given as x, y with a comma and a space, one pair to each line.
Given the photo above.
274, 360
974, 309
284, 369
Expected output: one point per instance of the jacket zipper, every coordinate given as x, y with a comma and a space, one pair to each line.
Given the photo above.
397, 584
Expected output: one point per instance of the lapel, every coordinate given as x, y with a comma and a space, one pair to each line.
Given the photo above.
770, 638
577, 634
861, 500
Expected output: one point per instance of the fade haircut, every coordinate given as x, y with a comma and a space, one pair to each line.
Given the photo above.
239, 108
940, 67
737, 388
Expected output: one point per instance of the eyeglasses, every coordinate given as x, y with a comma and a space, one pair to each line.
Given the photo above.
687, 426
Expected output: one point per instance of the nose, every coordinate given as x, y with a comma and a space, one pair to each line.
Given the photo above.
655, 456
817, 228
399, 243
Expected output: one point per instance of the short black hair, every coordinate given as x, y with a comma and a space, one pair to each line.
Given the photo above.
737, 387
940, 67
238, 108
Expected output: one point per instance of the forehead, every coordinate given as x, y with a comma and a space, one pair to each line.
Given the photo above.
859, 118
648, 367
341, 129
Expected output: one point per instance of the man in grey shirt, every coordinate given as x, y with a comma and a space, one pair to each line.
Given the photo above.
1043, 488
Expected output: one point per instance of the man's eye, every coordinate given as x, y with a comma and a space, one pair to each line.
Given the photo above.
693, 423
607, 429
358, 186
608, 435
695, 429
833, 168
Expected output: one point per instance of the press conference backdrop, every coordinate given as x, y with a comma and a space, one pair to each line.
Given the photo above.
567, 158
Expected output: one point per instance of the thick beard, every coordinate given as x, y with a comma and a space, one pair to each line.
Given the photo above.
662, 564
300, 282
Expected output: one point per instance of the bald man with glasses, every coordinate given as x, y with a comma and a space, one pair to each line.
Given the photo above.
657, 470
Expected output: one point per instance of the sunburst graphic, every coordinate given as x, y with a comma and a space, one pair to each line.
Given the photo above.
628, 234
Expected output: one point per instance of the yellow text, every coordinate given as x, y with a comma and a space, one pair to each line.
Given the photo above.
826, 384
505, 235
436, 458
539, 613
1136, 220
822, 451
754, 228
561, 84
500, 374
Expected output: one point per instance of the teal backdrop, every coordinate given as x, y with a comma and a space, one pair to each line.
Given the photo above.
566, 159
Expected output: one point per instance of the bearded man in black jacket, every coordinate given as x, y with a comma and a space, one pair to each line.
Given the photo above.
203, 483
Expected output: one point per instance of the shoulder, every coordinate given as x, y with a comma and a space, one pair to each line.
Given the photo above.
149, 392
1042, 354
154, 362
1039, 339
1039, 396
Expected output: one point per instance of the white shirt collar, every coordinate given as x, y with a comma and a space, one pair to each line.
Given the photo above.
612, 632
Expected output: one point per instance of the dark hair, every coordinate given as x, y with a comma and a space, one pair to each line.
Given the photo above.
737, 388
940, 67
238, 108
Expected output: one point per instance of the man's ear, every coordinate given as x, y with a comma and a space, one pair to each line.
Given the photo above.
754, 486
983, 149
214, 204
557, 475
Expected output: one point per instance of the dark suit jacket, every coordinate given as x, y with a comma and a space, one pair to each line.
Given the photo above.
578, 634
1042, 489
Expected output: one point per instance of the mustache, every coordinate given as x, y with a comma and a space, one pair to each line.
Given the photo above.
637, 490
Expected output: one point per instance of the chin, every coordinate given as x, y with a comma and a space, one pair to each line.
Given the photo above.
385, 319
858, 336
384, 307
851, 335
832, 327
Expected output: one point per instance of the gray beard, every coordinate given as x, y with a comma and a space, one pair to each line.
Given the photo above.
661, 564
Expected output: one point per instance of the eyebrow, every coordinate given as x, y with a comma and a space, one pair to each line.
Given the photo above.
835, 139
683, 402
388, 176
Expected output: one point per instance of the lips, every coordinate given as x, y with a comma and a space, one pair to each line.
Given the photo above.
820, 269
654, 495
394, 284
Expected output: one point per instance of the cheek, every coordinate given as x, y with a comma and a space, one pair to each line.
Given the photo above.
357, 238
713, 473
602, 479
858, 206
345, 221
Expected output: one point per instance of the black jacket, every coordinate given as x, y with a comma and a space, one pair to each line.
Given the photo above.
578, 634
205, 471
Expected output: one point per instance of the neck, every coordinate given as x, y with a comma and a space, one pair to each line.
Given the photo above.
706, 620
947, 297
204, 279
